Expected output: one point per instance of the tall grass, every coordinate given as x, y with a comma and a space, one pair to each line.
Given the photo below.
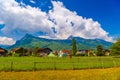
89, 74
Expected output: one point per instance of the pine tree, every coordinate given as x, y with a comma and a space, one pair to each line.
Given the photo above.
74, 47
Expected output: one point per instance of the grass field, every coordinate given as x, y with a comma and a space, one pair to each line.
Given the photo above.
88, 74
47, 63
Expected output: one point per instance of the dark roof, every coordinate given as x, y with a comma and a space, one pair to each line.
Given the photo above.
45, 50
3, 50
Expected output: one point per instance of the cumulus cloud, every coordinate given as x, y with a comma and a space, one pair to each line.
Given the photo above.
59, 22
23, 19
6, 41
69, 23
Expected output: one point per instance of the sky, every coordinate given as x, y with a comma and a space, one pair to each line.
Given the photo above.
59, 19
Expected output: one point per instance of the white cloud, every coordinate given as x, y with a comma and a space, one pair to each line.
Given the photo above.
32, 1
6, 41
23, 19
69, 23
27, 19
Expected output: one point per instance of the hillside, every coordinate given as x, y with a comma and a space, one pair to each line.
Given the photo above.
29, 41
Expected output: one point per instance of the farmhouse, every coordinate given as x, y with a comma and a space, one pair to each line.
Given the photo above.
64, 53
14, 50
20, 51
43, 51
83, 52
3, 52
55, 52
106, 52
29, 51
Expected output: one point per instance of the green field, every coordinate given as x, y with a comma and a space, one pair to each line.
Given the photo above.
47, 63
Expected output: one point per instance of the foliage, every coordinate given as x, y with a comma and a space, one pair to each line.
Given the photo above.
21, 50
74, 47
35, 51
115, 49
100, 50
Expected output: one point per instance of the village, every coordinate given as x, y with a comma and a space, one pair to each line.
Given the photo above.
47, 52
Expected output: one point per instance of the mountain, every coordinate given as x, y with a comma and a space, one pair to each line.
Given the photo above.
4, 46
29, 41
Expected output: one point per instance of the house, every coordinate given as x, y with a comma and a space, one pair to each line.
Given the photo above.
83, 52
55, 52
14, 50
29, 52
65, 53
43, 51
80, 53
106, 52
19, 51
3, 52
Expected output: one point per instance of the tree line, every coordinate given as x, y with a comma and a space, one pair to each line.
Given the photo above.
100, 51
114, 49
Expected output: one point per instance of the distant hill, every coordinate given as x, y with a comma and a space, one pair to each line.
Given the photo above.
4, 46
29, 41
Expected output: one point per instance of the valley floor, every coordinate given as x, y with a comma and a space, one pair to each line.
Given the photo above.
89, 74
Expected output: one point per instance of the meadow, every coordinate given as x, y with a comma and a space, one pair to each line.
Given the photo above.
88, 74
51, 63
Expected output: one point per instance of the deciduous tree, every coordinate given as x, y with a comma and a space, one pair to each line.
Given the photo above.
100, 50
115, 49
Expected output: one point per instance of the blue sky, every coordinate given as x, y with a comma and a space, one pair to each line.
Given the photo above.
59, 19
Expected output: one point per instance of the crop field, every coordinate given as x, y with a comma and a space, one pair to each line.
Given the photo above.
88, 74
48, 63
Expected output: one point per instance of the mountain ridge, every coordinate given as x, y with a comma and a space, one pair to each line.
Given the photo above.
30, 41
